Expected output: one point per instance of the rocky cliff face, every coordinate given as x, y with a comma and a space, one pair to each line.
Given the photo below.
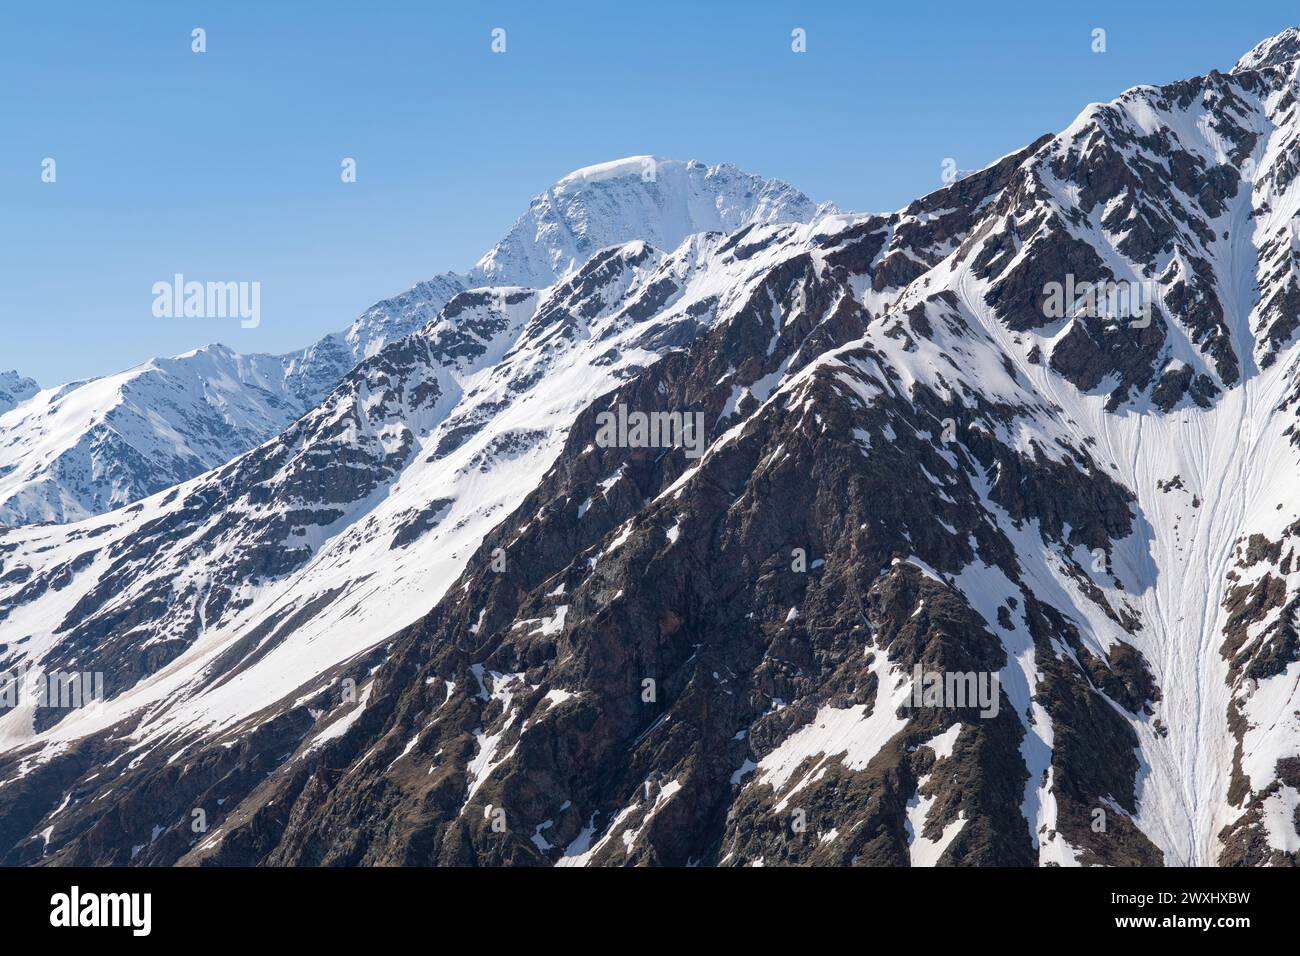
985, 555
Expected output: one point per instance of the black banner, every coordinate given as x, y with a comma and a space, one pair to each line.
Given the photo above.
268, 905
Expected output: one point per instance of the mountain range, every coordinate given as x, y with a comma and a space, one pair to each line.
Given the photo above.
85, 448
438, 617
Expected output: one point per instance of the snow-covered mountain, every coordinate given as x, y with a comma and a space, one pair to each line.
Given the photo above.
82, 449
442, 618
641, 197
15, 388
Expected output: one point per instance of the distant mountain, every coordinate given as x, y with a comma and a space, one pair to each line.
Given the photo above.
79, 450
14, 389
642, 197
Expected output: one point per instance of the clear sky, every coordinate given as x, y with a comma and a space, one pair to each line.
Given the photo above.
225, 165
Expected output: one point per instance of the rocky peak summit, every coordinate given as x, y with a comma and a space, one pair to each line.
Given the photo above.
1277, 50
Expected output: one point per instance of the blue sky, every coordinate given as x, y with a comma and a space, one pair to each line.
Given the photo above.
225, 165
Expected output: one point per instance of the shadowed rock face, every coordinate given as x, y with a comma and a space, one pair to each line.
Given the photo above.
920, 601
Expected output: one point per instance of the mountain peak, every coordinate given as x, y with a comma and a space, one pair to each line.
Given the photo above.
627, 166
637, 197
1277, 50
